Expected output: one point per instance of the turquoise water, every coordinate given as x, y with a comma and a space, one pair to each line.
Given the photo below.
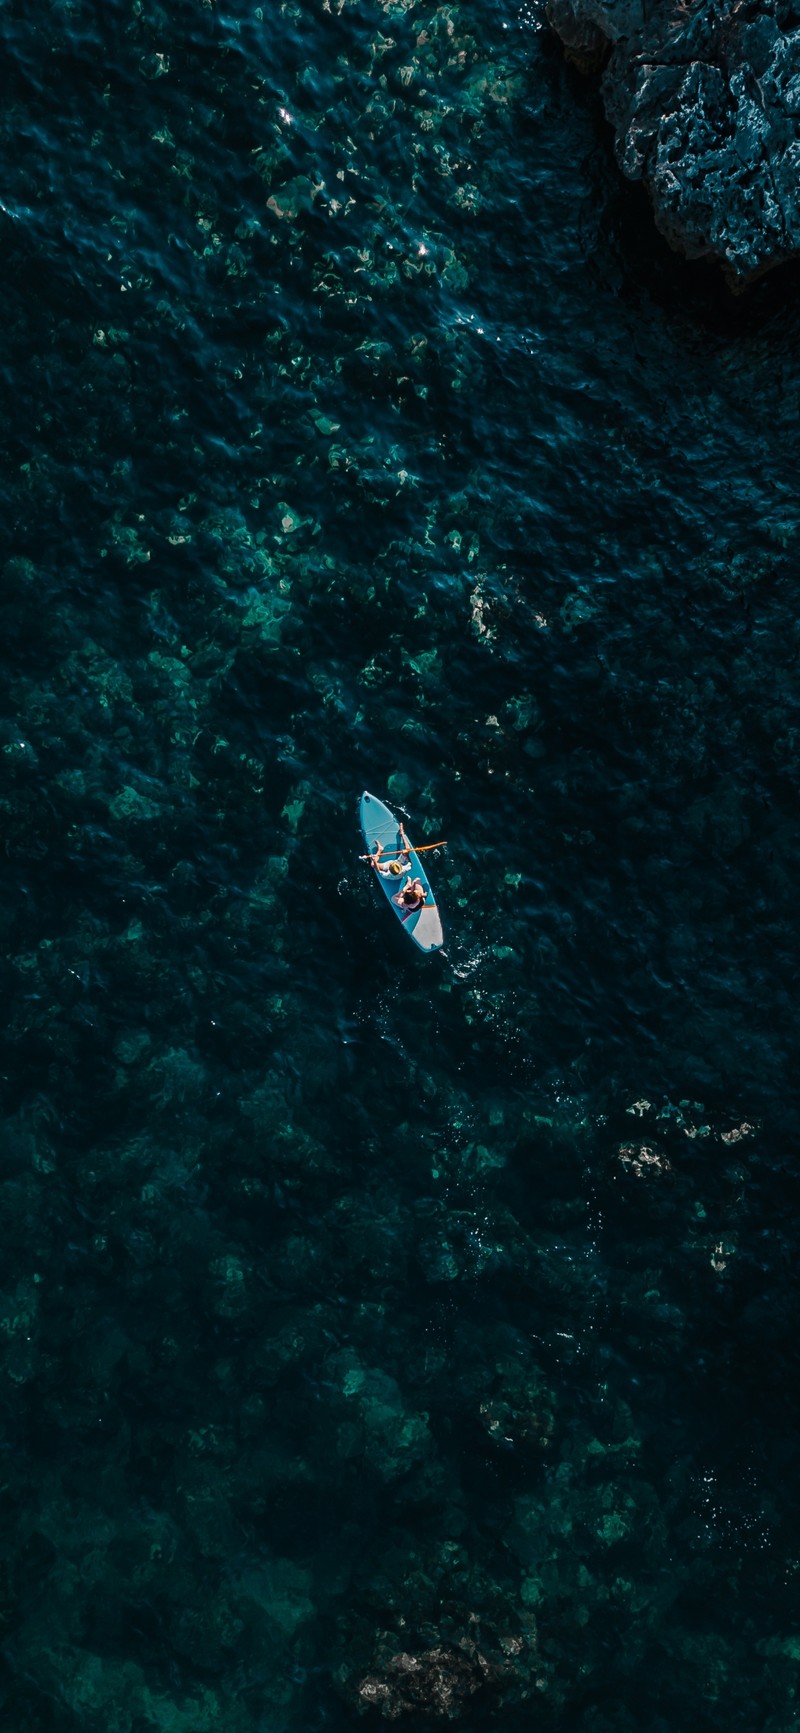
359, 432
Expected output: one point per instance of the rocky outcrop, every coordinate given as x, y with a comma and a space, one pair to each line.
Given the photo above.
437, 1682
704, 99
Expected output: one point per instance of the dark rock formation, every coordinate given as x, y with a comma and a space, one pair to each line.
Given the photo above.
438, 1682
704, 99
444, 1673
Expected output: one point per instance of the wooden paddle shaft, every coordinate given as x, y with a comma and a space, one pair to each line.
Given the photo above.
387, 853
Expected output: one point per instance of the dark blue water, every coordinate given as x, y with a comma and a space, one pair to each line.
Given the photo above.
387, 1336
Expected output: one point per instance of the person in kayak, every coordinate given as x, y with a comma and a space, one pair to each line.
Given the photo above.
411, 895
391, 867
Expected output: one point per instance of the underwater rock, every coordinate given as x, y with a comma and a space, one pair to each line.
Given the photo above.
452, 1662
704, 99
528, 1428
391, 1437
439, 1681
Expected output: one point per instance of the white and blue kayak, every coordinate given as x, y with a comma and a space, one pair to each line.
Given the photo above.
423, 925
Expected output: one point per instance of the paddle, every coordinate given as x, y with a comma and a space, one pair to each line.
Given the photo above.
387, 853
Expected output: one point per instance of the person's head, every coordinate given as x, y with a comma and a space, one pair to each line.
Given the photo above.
395, 867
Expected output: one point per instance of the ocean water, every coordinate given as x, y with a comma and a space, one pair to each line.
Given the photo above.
387, 1338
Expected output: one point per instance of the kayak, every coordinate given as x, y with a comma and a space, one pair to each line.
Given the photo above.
423, 925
